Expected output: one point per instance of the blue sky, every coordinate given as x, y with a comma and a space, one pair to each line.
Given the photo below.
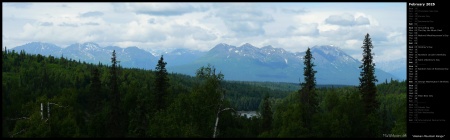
200, 26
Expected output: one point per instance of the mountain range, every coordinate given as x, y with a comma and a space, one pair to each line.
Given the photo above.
131, 57
250, 63
244, 63
395, 67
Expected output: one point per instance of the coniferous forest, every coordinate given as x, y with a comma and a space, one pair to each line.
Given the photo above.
52, 96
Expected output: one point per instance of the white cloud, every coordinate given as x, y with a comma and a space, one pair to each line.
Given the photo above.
204, 35
292, 10
18, 4
244, 20
160, 9
303, 30
68, 24
92, 14
91, 23
387, 54
47, 24
362, 21
292, 26
347, 20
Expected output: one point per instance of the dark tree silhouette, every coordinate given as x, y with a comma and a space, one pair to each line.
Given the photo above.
309, 85
367, 78
368, 90
116, 113
162, 83
307, 91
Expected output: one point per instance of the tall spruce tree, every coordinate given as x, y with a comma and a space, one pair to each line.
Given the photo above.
307, 91
309, 85
367, 77
115, 119
162, 83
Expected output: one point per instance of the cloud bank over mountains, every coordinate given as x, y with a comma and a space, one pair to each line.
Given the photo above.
198, 26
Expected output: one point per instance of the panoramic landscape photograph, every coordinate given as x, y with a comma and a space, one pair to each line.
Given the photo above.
204, 70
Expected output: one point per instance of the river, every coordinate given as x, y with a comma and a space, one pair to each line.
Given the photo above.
249, 114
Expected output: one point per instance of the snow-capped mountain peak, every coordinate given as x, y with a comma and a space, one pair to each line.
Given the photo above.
268, 63
91, 46
332, 53
247, 46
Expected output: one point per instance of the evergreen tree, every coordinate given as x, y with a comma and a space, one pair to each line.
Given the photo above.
115, 119
307, 91
368, 90
367, 78
309, 86
162, 83
266, 113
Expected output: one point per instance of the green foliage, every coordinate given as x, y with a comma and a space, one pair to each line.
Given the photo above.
393, 107
288, 122
266, 114
309, 72
273, 86
341, 113
115, 124
308, 96
367, 77
161, 84
81, 105
247, 96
